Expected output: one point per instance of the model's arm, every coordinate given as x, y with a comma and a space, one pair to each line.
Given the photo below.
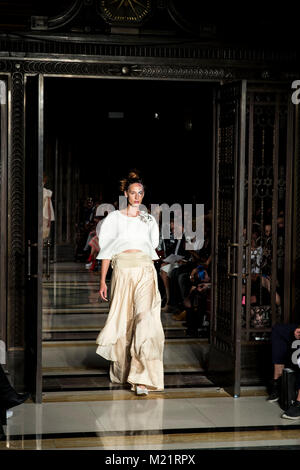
103, 286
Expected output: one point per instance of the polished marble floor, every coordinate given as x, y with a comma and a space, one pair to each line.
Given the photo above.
83, 410
198, 418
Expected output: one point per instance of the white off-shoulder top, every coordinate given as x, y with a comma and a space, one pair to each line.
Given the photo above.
118, 233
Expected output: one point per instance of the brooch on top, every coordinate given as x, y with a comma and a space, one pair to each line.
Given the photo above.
145, 217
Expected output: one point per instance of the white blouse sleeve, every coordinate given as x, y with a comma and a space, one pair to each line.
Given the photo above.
107, 236
154, 233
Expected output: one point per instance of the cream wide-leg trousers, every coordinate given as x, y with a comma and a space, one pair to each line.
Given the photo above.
133, 337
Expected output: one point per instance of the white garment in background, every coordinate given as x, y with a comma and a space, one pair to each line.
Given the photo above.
47, 193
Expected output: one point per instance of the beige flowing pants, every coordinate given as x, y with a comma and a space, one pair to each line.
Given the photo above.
133, 337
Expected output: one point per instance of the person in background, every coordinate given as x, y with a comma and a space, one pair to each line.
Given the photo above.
9, 398
282, 338
171, 246
92, 262
183, 278
48, 212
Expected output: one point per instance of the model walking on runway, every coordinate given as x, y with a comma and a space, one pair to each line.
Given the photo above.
133, 337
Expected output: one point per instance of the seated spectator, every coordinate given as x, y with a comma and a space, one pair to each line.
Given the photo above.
92, 263
181, 278
83, 228
94, 245
256, 253
196, 302
283, 336
176, 247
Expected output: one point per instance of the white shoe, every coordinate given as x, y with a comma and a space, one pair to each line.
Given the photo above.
141, 391
88, 265
9, 414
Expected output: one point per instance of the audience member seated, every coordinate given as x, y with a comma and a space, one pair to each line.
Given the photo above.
176, 247
196, 303
84, 226
282, 338
181, 278
92, 263
94, 245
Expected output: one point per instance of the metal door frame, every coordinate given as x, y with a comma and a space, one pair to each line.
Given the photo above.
43, 75
236, 244
3, 212
35, 272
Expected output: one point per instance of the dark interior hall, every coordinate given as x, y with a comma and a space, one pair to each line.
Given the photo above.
106, 127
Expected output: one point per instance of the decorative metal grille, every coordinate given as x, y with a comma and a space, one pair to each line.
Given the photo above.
16, 194
263, 291
226, 122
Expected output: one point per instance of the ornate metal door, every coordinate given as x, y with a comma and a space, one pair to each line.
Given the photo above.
270, 157
33, 233
228, 210
3, 216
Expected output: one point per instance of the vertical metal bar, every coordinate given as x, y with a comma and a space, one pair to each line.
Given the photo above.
60, 196
288, 213
249, 210
29, 259
240, 181
275, 210
296, 204
8, 179
236, 209
3, 209
215, 211
69, 198
48, 259
38, 397
56, 185
228, 258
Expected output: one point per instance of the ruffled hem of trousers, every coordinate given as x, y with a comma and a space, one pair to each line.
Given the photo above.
133, 337
145, 368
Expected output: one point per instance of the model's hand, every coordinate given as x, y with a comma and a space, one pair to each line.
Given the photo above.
103, 291
297, 333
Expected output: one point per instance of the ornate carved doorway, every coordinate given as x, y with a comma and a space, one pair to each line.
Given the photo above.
90, 142
253, 158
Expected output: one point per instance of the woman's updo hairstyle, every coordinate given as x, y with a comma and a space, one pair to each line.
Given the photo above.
132, 178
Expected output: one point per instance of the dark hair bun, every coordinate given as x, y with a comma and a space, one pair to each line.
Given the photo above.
133, 177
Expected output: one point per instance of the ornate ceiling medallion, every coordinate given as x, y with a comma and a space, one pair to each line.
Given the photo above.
125, 12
